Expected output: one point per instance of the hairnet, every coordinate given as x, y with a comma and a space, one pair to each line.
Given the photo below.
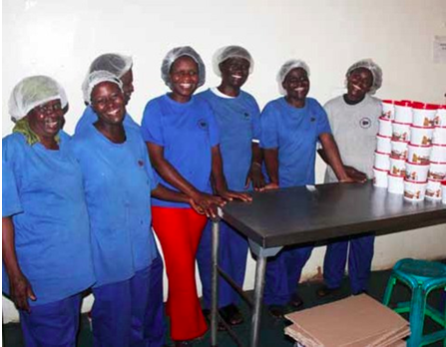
287, 67
176, 53
376, 71
231, 52
117, 64
32, 92
93, 79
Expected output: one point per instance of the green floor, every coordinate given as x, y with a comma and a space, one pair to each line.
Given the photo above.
271, 329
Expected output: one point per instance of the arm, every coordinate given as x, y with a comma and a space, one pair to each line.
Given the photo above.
255, 174
173, 177
163, 193
271, 157
20, 288
357, 175
332, 155
219, 179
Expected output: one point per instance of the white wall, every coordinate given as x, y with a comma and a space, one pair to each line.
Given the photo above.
60, 38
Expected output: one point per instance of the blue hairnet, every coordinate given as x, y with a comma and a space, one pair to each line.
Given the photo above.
176, 53
93, 79
231, 52
117, 64
374, 68
32, 92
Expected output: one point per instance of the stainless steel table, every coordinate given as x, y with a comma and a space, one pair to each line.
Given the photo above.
309, 214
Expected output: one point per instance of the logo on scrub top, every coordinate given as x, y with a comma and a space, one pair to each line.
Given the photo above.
365, 123
202, 124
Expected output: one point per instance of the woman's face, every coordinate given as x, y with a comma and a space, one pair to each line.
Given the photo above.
46, 120
234, 72
108, 102
297, 84
183, 78
359, 83
127, 85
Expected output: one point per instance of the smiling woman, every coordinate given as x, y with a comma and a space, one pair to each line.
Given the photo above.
45, 225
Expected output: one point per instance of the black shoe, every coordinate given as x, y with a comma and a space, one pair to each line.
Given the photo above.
296, 301
324, 291
231, 314
277, 311
207, 315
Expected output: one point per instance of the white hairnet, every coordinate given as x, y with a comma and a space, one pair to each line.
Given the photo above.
287, 67
176, 53
32, 92
376, 71
93, 79
117, 64
231, 52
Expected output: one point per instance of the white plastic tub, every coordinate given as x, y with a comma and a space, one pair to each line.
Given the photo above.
414, 191
383, 144
382, 161
400, 131
438, 153
395, 184
418, 154
397, 167
385, 127
380, 178
439, 136
424, 114
388, 109
416, 172
403, 111
399, 149
433, 190
437, 171
440, 117
421, 136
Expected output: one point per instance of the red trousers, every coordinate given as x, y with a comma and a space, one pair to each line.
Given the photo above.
179, 232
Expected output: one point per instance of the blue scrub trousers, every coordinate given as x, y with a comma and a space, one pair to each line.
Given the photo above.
122, 313
359, 262
283, 274
55, 324
233, 252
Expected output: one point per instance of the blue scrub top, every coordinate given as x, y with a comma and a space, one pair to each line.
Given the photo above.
295, 132
238, 119
43, 192
90, 117
118, 181
187, 132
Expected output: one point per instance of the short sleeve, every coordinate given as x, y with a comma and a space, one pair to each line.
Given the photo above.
87, 118
10, 195
268, 128
151, 125
323, 125
214, 131
255, 121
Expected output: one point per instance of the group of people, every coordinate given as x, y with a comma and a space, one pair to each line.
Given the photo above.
78, 211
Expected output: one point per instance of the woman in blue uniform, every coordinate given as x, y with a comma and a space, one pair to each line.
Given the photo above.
291, 126
238, 118
182, 138
44, 217
118, 182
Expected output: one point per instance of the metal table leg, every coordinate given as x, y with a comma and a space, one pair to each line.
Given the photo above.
259, 286
214, 281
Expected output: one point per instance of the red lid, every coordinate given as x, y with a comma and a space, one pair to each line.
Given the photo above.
438, 162
415, 182
442, 107
404, 103
417, 164
406, 142
418, 127
423, 106
432, 180
424, 146
386, 137
395, 122
382, 170
388, 101
443, 183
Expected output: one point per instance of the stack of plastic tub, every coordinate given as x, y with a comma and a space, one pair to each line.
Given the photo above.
437, 160
419, 150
